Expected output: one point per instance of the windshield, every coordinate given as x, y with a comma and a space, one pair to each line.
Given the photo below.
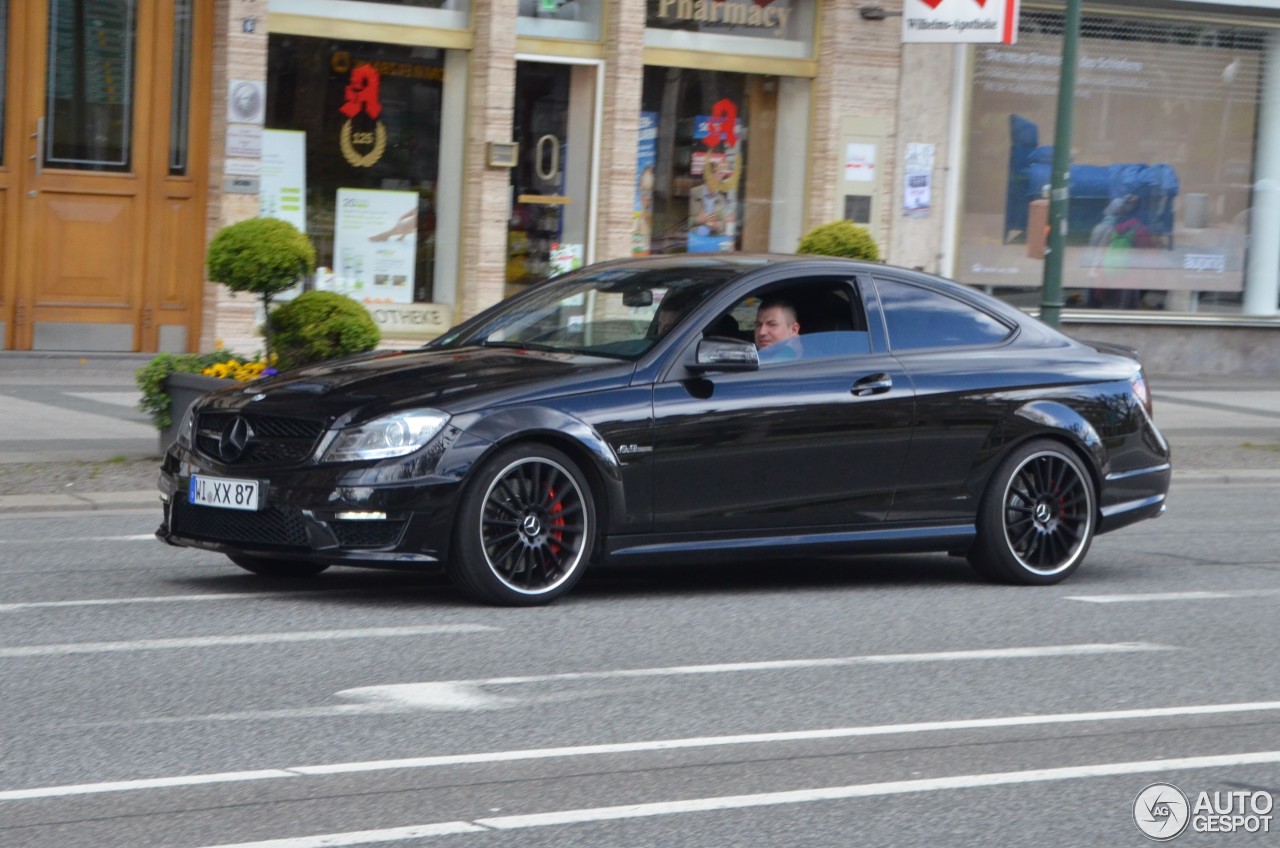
619, 313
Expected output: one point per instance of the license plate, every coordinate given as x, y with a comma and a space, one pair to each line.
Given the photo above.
223, 492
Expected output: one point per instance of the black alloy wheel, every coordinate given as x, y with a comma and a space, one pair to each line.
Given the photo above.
268, 567
526, 528
1037, 518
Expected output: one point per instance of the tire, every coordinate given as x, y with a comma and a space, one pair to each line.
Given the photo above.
526, 528
1037, 517
267, 567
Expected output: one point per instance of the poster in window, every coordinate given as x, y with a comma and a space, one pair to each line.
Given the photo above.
717, 160
283, 186
646, 162
375, 240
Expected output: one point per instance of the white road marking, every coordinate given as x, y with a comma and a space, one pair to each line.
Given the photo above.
157, 599
245, 639
468, 694
763, 799
642, 747
453, 695
1175, 596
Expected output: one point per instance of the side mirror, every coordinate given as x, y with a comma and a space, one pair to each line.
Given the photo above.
643, 297
723, 354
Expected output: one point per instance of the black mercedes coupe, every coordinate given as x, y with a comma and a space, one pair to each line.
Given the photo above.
624, 413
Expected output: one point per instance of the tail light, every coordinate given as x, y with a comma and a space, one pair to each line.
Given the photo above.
1139, 384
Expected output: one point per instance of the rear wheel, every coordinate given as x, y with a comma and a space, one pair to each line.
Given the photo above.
268, 567
1037, 517
526, 528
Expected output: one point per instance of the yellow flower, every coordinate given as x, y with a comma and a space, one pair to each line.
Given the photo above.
245, 372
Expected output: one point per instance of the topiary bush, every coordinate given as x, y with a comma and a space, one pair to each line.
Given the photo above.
262, 256
840, 238
320, 325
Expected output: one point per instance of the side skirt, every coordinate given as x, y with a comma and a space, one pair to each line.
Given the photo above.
699, 546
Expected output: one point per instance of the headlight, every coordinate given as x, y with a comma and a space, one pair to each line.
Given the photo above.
390, 435
186, 430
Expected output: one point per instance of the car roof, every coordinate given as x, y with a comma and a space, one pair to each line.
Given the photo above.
740, 264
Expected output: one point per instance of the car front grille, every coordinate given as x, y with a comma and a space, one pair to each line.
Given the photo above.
367, 534
276, 527
274, 440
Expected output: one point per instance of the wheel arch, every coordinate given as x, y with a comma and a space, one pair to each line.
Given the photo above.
1057, 422
570, 435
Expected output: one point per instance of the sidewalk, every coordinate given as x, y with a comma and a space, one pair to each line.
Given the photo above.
71, 436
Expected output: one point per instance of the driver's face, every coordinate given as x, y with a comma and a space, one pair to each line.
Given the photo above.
774, 324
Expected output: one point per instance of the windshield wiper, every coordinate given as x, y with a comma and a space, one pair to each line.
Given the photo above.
524, 346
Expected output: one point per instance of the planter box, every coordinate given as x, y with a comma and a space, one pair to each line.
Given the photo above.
183, 390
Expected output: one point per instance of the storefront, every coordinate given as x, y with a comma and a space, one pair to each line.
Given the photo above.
715, 169
361, 150
1173, 166
444, 153
369, 134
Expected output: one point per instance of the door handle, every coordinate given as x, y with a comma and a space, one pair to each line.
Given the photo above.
38, 137
875, 384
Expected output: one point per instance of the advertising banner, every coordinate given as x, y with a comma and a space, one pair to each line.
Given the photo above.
713, 201
375, 237
283, 176
960, 21
646, 161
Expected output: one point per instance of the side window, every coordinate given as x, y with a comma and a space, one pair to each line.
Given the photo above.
919, 318
810, 319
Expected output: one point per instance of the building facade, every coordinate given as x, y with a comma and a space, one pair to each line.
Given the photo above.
443, 153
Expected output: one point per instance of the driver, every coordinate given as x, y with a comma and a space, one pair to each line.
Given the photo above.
775, 322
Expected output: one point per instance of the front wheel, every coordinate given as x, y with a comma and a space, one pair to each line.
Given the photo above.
1037, 517
526, 528
268, 567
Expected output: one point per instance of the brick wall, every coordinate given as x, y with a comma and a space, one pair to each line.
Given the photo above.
486, 200
858, 77
229, 319
620, 135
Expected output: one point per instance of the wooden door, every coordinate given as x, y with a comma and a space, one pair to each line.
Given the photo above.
106, 209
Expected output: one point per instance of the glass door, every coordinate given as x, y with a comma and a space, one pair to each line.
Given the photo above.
550, 230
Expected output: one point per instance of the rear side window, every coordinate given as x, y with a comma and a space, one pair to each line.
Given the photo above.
920, 318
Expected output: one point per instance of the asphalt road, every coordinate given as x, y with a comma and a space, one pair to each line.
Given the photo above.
160, 697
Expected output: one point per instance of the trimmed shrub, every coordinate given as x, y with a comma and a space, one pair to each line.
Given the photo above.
320, 325
840, 238
264, 256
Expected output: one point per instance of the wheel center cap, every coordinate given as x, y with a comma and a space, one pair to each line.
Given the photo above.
531, 526
1043, 513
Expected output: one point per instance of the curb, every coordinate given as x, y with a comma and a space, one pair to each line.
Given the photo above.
1227, 476
87, 502
91, 501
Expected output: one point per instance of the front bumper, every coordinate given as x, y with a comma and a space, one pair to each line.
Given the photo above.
317, 514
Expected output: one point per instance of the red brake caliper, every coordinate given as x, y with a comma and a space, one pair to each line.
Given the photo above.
557, 520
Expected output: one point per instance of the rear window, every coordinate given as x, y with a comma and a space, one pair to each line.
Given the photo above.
920, 318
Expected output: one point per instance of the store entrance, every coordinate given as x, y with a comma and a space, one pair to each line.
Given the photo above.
555, 119
101, 212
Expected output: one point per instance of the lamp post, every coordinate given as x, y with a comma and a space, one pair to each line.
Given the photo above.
1059, 193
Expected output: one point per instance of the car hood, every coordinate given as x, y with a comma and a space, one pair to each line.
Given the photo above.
455, 380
